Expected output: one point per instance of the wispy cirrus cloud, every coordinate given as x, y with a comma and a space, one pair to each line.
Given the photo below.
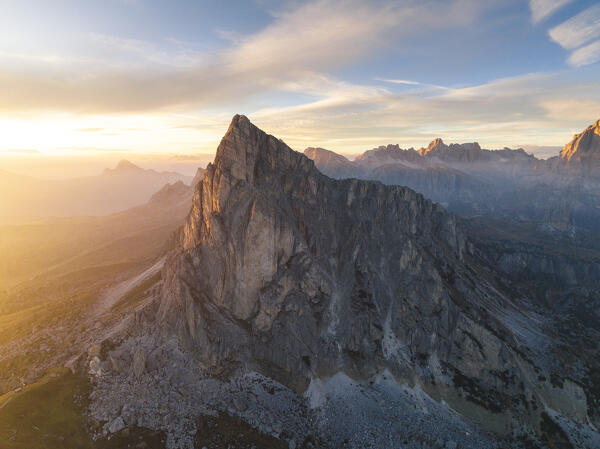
576, 32
398, 81
542, 9
588, 54
176, 54
579, 29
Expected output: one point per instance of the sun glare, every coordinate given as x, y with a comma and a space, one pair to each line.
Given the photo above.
62, 135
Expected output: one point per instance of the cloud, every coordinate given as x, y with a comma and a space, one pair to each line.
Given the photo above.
396, 81
21, 151
175, 54
89, 130
189, 157
579, 29
315, 37
423, 87
536, 108
542, 9
586, 55
77, 149
319, 34
294, 56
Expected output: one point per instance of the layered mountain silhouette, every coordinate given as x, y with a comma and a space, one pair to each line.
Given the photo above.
123, 187
59, 244
323, 312
471, 181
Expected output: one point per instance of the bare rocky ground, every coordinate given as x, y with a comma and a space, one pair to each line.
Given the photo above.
167, 391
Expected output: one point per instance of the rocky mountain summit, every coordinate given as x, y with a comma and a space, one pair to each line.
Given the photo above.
437, 152
335, 313
585, 146
471, 181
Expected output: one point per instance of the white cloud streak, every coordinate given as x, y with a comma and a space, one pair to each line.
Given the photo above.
586, 55
397, 81
542, 9
579, 29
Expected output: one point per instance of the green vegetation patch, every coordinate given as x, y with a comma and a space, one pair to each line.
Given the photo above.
50, 414
46, 415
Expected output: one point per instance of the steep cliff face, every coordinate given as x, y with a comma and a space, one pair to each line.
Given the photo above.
447, 186
285, 258
298, 276
585, 146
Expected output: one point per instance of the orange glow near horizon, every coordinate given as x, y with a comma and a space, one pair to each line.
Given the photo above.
78, 135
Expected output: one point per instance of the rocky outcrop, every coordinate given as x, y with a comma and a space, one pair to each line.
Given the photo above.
585, 146
287, 272
197, 177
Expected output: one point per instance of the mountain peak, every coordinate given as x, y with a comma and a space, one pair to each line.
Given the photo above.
124, 167
271, 232
436, 144
584, 147
124, 164
244, 145
323, 154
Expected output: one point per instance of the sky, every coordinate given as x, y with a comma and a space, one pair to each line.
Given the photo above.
114, 78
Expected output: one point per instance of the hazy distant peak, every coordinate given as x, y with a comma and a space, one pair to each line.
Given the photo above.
124, 167
171, 192
124, 164
323, 154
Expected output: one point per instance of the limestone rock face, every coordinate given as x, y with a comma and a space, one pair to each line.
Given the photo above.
287, 272
585, 146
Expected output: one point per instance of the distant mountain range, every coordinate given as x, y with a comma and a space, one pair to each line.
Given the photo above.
473, 181
116, 189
